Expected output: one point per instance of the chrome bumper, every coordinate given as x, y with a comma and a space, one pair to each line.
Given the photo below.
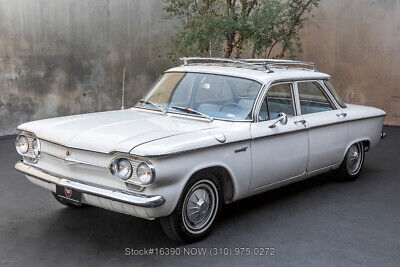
127, 197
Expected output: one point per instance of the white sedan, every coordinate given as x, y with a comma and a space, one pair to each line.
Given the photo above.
209, 132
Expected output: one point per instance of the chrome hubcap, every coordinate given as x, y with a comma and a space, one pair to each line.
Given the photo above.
354, 158
200, 206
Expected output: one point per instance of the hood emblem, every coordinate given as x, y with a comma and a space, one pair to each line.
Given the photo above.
67, 153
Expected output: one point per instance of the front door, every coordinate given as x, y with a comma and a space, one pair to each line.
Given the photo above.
281, 152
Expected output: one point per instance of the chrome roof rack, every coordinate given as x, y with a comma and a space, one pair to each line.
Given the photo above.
253, 63
280, 62
215, 60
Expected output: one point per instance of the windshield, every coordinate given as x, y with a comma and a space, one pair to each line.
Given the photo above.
201, 94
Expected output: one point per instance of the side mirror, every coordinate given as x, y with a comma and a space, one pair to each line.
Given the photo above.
282, 118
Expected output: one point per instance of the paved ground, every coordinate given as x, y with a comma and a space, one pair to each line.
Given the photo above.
316, 222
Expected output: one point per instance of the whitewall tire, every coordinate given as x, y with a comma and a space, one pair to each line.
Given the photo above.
196, 211
352, 163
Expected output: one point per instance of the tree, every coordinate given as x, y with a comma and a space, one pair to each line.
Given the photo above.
230, 27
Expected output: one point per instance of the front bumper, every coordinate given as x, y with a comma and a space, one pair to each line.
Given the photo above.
119, 196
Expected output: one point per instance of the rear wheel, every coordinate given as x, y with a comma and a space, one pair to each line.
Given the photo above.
65, 203
352, 163
197, 209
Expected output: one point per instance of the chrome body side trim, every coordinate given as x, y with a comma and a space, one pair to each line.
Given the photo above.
127, 197
245, 140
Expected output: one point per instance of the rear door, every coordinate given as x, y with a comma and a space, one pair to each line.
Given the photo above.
327, 130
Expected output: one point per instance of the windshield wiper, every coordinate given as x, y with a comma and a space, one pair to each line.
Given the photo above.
193, 112
144, 101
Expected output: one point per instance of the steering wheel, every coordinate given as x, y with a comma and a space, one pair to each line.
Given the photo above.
229, 104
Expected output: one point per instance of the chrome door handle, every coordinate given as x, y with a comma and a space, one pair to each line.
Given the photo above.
301, 121
344, 114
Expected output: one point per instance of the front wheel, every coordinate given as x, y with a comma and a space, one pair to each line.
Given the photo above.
196, 211
352, 163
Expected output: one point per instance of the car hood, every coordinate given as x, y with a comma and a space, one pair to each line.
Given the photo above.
110, 131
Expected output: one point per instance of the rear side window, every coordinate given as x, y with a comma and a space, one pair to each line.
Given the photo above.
312, 98
335, 94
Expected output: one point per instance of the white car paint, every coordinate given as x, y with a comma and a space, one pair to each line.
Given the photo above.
256, 157
119, 130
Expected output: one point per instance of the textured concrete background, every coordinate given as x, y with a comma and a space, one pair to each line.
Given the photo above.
358, 43
66, 57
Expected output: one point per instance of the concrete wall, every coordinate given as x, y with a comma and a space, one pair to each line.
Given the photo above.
358, 43
61, 57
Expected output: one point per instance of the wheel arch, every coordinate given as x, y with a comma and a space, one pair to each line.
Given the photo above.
366, 143
224, 176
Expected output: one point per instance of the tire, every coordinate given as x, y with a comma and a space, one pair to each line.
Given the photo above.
65, 203
184, 227
352, 163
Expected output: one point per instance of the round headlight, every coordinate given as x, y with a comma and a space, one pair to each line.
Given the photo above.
22, 144
36, 147
145, 173
121, 168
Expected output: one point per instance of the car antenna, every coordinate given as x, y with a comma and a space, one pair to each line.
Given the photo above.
123, 89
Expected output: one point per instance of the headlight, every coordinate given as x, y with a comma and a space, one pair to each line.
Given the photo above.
22, 144
36, 147
145, 173
121, 168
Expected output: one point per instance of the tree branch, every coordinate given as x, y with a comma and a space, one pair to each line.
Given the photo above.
271, 47
292, 29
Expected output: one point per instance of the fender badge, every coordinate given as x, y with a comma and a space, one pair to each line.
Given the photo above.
243, 149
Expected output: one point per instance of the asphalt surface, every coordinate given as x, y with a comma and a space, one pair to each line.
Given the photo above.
316, 222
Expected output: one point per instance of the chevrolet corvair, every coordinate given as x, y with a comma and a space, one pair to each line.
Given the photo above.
209, 132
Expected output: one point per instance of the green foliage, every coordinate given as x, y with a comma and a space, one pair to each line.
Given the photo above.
229, 27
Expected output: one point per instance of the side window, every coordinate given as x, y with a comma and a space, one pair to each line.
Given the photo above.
335, 94
279, 99
312, 98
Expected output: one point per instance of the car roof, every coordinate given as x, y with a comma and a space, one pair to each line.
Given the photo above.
263, 76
